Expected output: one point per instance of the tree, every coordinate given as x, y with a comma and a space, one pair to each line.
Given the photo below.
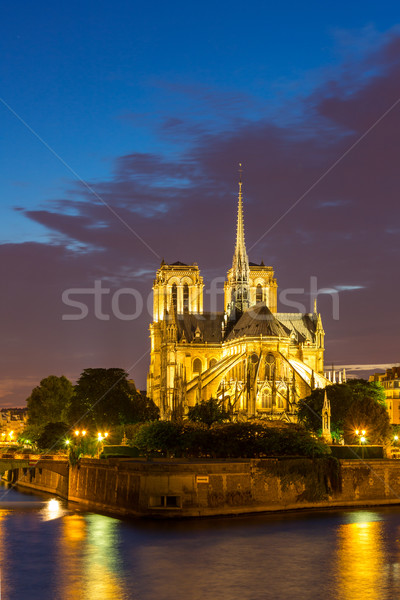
357, 404
143, 409
31, 434
208, 412
49, 402
226, 440
102, 398
53, 436
366, 413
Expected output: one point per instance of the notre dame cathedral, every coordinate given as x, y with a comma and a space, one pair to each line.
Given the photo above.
257, 361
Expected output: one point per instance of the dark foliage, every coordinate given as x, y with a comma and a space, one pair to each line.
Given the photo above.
208, 412
53, 436
102, 398
49, 401
143, 409
227, 440
357, 404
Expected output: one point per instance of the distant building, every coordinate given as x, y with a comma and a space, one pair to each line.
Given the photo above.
256, 360
391, 382
12, 423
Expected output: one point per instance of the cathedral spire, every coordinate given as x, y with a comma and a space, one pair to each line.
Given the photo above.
240, 263
240, 245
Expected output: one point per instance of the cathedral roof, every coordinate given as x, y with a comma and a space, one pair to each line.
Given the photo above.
178, 263
302, 325
253, 264
258, 320
208, 324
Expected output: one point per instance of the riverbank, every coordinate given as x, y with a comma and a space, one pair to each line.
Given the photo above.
184, 488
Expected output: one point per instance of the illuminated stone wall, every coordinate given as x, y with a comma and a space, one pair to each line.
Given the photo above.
172, 488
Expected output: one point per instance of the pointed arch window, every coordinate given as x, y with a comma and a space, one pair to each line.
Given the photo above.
185, 297
259, 293
266, 399
174, 295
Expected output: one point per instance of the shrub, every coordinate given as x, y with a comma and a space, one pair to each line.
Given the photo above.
208, 412
161, 437
226, 440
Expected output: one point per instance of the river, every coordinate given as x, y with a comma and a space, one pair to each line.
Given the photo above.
51, 550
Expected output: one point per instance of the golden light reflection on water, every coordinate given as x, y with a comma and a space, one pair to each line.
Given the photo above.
3, 553
360, 561
89, 558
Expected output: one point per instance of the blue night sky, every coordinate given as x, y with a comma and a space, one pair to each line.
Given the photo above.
122, 125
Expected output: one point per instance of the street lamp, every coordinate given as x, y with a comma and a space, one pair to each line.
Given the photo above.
80, 446
100, 438
77, 432
361, 439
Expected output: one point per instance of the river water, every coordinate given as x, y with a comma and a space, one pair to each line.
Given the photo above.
50, 550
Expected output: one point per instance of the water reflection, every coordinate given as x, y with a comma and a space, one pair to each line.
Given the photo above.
361, 559
52, 510
334, 555
3, 554
89, 549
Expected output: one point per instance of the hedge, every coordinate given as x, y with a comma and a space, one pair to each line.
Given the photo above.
227, 440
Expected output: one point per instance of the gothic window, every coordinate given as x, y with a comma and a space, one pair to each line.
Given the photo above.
186, 297
266, 399
259, 293
212, 362
197, 366
174, 295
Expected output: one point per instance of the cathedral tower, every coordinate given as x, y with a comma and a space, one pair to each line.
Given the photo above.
177, 285
237, 288
253, 359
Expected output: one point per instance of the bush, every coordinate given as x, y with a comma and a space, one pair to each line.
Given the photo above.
84, 446
226, 440
160, 437
208, 412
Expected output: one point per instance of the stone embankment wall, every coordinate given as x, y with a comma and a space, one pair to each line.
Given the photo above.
40, 479
177, 488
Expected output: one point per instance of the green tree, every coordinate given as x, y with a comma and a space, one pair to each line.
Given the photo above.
53, 436
357, 404
208, 412
49, 401
162, 437
366, 413
31, 434
102, 398
143, 409
80, 447
226, 440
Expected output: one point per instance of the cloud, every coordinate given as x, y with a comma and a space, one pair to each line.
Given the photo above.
367, 367
183, 206
349, 288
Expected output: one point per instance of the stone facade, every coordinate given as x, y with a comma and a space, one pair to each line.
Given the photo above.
255, 360
391, 383
179, 488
